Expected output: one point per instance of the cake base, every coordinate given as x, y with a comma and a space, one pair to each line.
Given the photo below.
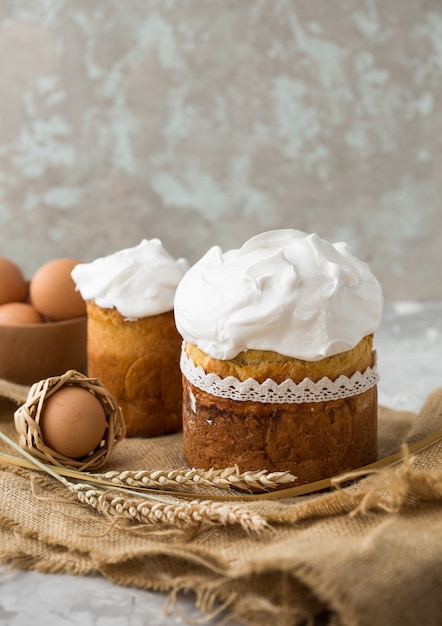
310, 440
138, 363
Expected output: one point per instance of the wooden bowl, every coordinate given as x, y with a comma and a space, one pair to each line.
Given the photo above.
31, 352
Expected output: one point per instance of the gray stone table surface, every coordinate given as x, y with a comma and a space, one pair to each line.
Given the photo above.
409, 346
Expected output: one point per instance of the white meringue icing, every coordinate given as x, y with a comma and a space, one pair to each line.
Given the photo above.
138, 282
283, 290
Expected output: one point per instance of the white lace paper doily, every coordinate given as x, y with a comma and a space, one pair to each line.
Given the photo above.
287, 392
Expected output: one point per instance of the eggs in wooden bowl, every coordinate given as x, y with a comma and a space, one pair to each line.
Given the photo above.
42, 322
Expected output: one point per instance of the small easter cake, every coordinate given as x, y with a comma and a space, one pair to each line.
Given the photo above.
133, 346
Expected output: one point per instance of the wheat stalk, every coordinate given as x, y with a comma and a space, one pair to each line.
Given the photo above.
149, 508
191, 477
173, 513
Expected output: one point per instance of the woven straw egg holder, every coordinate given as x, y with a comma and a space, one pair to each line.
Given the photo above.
27, 421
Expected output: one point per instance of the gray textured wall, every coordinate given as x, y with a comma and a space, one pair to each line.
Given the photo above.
204, 122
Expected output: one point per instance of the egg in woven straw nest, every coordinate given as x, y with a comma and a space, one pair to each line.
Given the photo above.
70, 421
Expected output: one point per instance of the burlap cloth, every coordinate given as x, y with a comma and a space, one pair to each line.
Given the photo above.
367, 553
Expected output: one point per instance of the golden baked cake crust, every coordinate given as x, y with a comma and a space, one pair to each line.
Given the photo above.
138, 362
263, 364
312, 440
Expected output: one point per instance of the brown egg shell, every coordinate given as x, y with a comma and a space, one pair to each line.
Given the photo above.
53, 292
73, 421
13, 287
18, 314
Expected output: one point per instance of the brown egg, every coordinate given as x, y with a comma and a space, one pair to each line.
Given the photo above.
13, 286
72, 421
53, 292
18, 313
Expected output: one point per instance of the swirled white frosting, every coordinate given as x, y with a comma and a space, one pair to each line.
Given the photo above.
284, 290
138, 282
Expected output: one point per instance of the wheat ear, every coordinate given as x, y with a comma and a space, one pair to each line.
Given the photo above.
177, 514
190, 477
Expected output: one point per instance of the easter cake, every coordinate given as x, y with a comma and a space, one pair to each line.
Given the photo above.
133, 346
279, 371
